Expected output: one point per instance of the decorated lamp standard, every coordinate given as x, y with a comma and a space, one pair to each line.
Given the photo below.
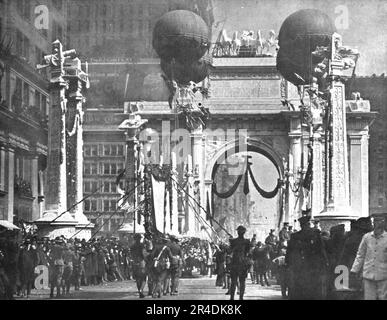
181, 39
131, 127
311, 56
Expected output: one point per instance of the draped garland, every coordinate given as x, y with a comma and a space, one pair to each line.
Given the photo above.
246, 189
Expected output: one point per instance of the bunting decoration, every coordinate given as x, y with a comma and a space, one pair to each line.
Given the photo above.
246, 190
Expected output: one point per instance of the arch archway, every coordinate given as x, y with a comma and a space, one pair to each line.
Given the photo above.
263, 213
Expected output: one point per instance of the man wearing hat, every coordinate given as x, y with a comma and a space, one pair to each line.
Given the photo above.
372, 259
161, 257
139, 254
306, 259
56, 266
284, 234
176, 264
271, 239
240, 262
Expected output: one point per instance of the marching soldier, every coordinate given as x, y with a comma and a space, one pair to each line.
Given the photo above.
76, 276
161, 257
306, 259
240, 262
56, 266
68, 258
139, 254
176, 264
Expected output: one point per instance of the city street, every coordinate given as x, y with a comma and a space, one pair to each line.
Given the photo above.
198, 288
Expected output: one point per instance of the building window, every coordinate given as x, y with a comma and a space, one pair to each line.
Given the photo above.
90, 168
90, 186
90, 205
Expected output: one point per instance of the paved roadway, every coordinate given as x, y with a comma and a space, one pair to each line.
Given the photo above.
197, 288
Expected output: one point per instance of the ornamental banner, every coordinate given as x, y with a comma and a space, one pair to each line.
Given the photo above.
158, 198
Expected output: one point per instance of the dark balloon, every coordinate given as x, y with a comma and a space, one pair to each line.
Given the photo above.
300, 34
181, 35
183, 73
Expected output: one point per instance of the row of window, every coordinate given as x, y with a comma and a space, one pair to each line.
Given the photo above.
92, 150
108, 11
92, 205
104, 168
140, 27
106, 186
108, 225
23, 95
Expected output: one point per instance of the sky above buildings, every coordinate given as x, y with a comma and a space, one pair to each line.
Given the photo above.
362, 23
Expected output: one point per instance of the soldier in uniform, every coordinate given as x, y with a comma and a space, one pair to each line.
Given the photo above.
306, 259
284, 235
176, 264
68, 258
76, 276
56, 266
161, 257
139, 254
240, 263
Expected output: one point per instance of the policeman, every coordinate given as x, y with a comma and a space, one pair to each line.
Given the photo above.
306, 259
176, 264
56, 266
240, 262
139, 254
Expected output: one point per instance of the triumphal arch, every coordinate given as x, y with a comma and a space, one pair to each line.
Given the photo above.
248, 161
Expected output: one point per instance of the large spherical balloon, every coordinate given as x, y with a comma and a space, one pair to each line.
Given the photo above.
183, 73
181, 35
300, 34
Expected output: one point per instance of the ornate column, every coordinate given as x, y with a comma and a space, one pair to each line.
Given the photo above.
198, 169
359, 195
2, 167
295, 156
56, 221
174, 194
337, 209
318, 179
34, 187
190, 206
78, 81
11, 180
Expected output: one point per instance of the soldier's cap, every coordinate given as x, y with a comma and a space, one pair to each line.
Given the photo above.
304, 219
286, 223
241, 228
272, 230
306, 212
315, 221
137, 236
173, 238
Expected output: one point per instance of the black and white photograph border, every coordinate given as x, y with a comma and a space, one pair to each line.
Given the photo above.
186, 150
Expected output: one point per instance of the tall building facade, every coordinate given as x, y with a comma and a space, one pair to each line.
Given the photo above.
24, 103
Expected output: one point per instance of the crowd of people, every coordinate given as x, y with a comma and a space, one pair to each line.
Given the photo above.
304, 263
72, 262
